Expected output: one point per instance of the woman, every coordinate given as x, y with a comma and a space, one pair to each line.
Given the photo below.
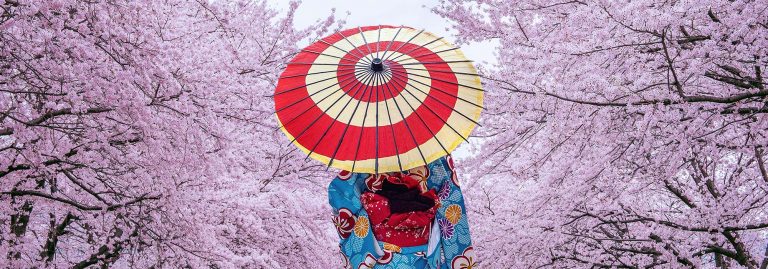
410, 219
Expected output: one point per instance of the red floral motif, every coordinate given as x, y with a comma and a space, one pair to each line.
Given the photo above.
374, 182
345, 222
467, 260
386, 258
368, 263
345, 175
346, 260
454, 178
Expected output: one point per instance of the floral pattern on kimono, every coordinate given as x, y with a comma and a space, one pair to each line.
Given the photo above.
452, 249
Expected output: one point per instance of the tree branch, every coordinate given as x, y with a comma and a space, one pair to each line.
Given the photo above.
52, 114
77, 205
49, 250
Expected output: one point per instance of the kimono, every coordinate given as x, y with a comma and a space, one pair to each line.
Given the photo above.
449, 245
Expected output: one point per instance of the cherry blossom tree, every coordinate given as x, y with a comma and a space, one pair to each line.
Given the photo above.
139, 134
616, 134
625, 134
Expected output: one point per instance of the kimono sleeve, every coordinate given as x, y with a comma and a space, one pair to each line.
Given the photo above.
356, 239
455, 247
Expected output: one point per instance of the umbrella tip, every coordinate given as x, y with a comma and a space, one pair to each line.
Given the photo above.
377, 65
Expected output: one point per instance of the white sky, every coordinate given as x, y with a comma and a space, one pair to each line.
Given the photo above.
413, 13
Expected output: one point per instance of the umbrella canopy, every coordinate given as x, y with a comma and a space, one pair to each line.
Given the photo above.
378, 99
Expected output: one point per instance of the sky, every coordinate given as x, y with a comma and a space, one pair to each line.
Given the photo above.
413, 13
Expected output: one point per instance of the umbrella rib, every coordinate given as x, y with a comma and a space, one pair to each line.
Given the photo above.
378, 40
425, 124
435, 52
365, 116
347, 126
308, 108
319, 116
449, 82
362, 54
336, 118
407, 126
440, 101
365, 40
439, 62
305, 85
389, 45
299, 87
325, 42
442, 71
429, 53
303, 63
443, 91
436, 115
391, 126
334, 56
406, 42
308, 96
417, 47
320, 72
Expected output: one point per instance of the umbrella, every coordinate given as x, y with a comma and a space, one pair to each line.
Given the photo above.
378, 99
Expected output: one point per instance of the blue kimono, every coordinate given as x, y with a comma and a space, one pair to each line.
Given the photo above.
449, 241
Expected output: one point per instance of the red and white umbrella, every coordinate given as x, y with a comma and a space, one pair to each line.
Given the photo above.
378, 99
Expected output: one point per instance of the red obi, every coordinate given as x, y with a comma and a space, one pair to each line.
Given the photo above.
401, 211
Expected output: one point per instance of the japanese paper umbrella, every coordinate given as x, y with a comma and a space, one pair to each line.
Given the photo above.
378, 99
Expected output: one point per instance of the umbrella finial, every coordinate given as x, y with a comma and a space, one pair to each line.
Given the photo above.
377, 65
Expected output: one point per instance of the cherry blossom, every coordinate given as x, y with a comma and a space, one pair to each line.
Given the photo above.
619, 133
139, 134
